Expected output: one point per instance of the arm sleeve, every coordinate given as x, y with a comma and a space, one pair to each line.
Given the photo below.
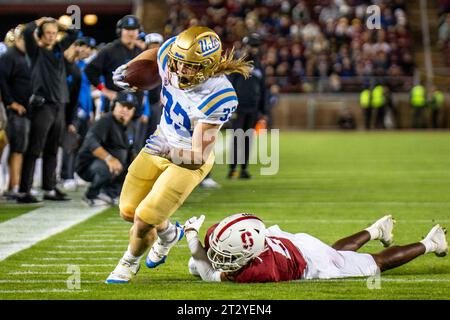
31, 45
94, 70
6, 66
71, 36
204, 268
74, 92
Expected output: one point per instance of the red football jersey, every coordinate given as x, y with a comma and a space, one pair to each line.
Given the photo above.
280, 261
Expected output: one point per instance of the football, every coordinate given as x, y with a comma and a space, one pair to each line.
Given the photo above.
142, 74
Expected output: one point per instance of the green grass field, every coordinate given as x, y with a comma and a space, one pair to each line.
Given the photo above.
329, 184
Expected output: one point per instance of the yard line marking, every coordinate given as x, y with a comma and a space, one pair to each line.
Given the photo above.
43, 291
99, 236
38, 265
47, 273
296, 204
381, 280
27, 229
72, 258
331, 220
90, 246
87, 240
86, 251
46, 281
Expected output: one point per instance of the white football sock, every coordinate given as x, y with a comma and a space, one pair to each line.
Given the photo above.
430, 246
169, 234
374, 232
128, 256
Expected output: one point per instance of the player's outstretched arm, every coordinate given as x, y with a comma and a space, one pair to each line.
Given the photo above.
204, 267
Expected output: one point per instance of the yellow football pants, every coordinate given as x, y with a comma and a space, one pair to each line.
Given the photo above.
155, 188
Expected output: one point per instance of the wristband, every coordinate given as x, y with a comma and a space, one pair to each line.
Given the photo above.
107, 158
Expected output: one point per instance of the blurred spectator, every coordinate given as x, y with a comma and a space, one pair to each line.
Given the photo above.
251, 94
106, 152
436, 103
365, 98
15, 87
50, 94
154, 40
113, 55
319, 28
79, 109
418, 99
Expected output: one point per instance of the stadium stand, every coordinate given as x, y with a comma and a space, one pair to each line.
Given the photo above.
321, 46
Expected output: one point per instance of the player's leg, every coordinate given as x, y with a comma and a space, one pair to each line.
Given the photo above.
380, 230
396, 256
168, 194
141, 176
140, 179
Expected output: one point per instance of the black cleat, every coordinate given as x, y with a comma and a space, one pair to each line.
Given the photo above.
56, 195
27, 198
245, 175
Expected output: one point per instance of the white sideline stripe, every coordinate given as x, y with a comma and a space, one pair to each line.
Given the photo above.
38, 265
46, 281
27, 229
43, 291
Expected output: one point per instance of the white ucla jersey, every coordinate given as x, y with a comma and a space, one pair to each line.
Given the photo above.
212, 101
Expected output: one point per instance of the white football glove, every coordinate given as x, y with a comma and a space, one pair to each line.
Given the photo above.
157, 146
119, 75
194, 223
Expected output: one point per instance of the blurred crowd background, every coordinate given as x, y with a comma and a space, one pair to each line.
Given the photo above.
325, 64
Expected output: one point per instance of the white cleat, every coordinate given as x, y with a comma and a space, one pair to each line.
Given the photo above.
437, 237
209, 183
159, 251
385, 226
124, 272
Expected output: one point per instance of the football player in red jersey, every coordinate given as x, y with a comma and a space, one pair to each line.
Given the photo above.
241, 249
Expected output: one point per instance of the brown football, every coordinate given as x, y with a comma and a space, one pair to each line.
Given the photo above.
142, 74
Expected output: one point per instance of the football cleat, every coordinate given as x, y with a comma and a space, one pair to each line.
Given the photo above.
437, 237
159, 251
385, 226
124, 272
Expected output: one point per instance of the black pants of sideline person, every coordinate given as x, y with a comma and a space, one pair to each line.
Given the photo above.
367, 117
244, 121
101, 179
47, 125
69, 154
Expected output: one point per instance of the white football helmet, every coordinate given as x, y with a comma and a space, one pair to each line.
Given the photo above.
235, 241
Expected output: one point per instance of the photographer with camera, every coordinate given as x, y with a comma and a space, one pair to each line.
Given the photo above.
47, 103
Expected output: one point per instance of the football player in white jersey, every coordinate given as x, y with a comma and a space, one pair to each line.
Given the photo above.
197, 99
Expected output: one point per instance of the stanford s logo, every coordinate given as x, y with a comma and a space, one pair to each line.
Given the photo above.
247, 240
